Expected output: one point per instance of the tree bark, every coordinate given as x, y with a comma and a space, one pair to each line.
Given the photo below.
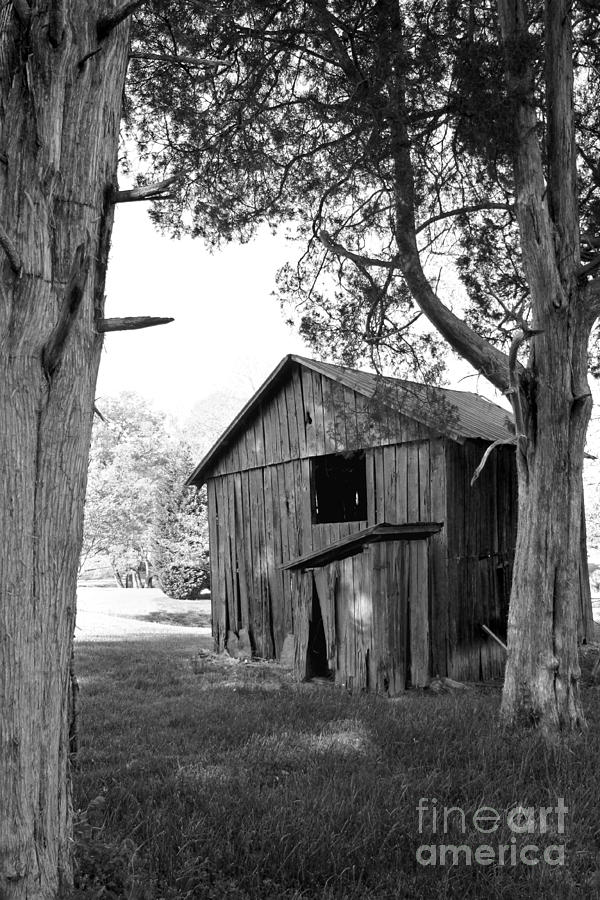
550, 395
59, 136
541, 685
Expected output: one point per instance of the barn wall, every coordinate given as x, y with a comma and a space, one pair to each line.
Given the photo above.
260, 503
407, 483
259, 519
375, 614
310, 415
481, 533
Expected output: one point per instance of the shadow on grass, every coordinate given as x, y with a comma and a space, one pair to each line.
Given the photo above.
213, 787
190, 618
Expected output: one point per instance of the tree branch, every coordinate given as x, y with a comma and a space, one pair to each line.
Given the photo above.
338, 250
8, 247
531, 207
461, 210
54, 348
108, 23
157, 191
130, 323
207, 62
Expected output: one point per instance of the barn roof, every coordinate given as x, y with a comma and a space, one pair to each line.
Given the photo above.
458, 414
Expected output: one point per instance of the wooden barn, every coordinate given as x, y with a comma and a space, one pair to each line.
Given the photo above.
343, 525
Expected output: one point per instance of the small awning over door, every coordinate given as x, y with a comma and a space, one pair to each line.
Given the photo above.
373, 594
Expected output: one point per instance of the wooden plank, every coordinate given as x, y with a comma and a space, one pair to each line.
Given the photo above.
379, 485
241, 551
424, 483
259, 440
273, 572
369, 599
224, 568
373, 556
301, 591
219, 624
309, 412
397, 575
278, 472
256, 609
370, 478
340, 416
282, 424
419, 619
290, 503
296, 383
389, 477
412, 481
362, 614
290, 405
329, 438
402, 484
272, 446
262, 617
305, 505
321, 441
341, 617
224, 573
281, 598
367, 433
232, 582
439, 561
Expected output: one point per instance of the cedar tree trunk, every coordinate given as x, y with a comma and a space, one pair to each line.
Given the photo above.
542, 670
59, 124
551, 396
549, 393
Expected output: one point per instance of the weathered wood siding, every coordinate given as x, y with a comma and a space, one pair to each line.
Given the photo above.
375, 615
311, 416
481, 525
260, 518
407, 483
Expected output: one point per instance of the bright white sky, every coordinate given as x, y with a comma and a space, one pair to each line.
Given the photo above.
229, 332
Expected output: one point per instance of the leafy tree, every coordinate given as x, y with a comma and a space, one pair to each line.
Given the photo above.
130, 451
399, 135
179, 535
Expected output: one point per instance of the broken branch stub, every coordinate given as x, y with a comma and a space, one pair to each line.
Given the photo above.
131, 323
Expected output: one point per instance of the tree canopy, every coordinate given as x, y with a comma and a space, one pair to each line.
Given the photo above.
341, 120
406, 141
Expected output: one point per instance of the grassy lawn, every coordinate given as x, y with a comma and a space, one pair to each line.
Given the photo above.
228, 781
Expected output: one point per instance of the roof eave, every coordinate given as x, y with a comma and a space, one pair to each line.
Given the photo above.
197, 478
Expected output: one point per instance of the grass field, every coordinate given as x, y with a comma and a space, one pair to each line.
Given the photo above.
213, 780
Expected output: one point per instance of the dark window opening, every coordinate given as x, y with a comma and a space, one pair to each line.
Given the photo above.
339, 488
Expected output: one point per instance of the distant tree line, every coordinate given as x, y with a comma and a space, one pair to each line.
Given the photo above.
140, 518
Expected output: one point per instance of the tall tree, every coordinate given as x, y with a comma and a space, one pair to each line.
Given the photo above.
62, 71
62, 68
396, 132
